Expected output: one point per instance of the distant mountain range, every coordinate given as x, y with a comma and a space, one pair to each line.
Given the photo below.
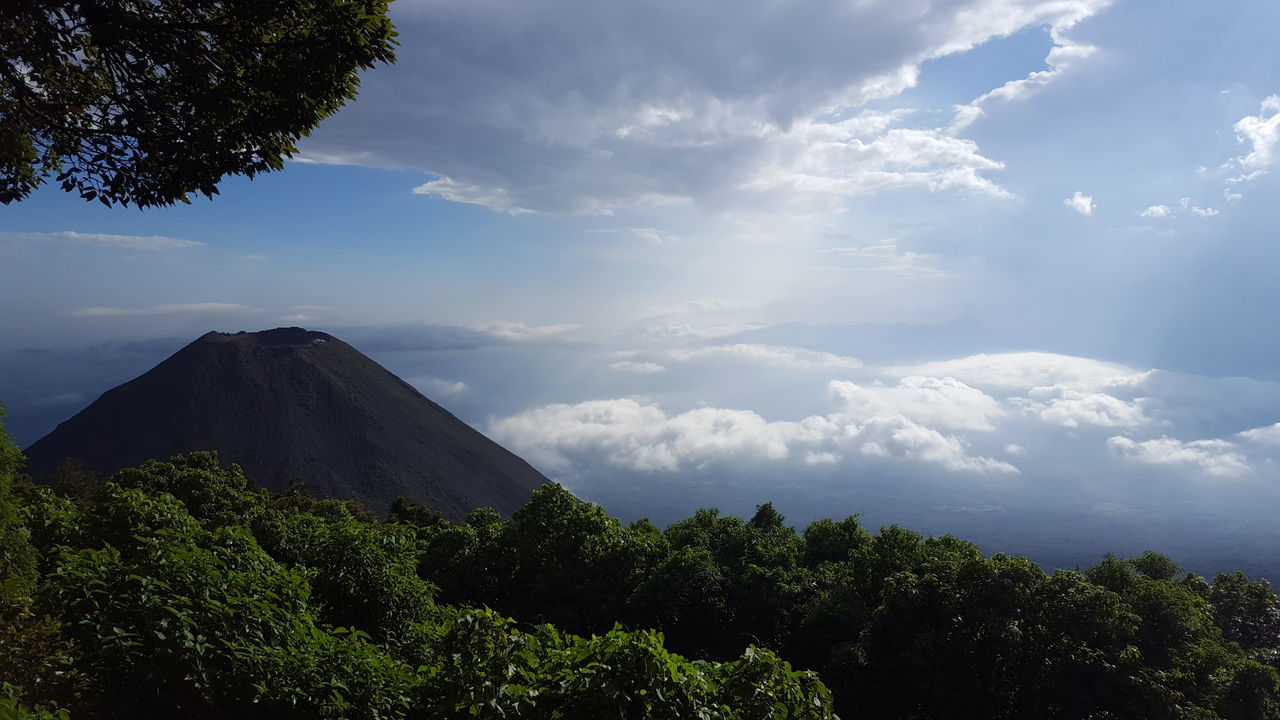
291, 404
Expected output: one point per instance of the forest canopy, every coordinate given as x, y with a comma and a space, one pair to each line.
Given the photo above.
147, 102
178, 589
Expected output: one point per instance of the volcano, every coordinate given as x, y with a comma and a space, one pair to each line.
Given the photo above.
291, 404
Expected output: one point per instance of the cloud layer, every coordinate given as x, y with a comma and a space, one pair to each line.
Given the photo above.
630, 106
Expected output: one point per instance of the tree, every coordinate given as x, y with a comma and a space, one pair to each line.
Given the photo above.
145, 102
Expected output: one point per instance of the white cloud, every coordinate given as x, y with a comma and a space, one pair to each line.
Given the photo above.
1212, 457
1027, 370
436, 387
252, 257
1266, 435
1185, 204
640, 437
1262, 133
946, 402
821, 458
1061, 57
643, 437
519, 332
152, 243
205, 308
1063, 406
860, 156
471, 194
640, 368
1080, 202
901, 438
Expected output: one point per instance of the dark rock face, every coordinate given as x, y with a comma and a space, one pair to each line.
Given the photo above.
291, 404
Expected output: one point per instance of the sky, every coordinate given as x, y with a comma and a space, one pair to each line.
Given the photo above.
995, 267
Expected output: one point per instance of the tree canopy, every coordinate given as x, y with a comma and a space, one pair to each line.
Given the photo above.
177, 589
146, 102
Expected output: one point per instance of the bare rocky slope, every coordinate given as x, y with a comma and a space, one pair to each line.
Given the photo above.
291, 404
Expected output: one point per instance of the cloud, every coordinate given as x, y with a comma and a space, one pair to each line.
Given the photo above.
1212, 457
1186, 204
1061, 57
204, 308
1265, 435
432, 386
1027, 370
640, 368
492, 198
677, 331
554, 106
1262, 133
900, 437
1080, 202
771, 355
1063, 406
639, 437
150, 243
946, 402
252, 257
863, 156
519, 332
643, 437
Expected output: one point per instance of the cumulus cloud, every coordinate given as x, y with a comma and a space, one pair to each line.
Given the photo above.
150, 243
1186, 205
1219, 458
637, 436
1080, 202
1063, 406
946, 402
1262, 133
640, 437
612, 106
203, 308
772, 355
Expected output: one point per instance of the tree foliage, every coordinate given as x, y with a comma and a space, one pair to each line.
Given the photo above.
177, 589
146, 102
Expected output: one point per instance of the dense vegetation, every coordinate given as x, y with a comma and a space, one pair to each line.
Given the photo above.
178, 590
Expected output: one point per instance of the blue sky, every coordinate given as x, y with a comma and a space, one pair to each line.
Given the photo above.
997, 245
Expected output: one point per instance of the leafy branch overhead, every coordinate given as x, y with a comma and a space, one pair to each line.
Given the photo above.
146, 102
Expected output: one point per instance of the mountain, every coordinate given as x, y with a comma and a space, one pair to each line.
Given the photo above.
291, 404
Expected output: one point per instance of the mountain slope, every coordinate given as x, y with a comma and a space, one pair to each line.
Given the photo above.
290, 404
